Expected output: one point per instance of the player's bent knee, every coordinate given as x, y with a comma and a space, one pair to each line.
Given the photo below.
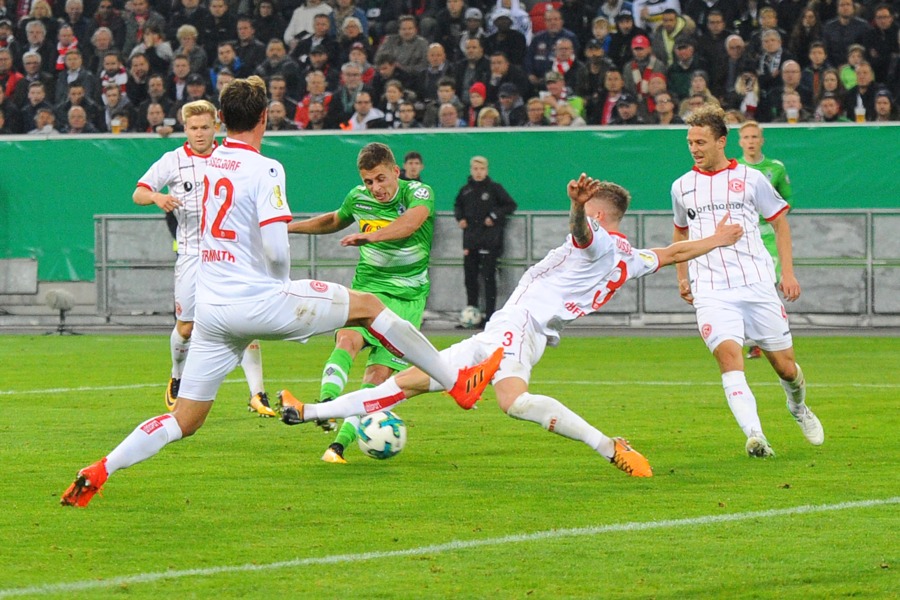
535, 408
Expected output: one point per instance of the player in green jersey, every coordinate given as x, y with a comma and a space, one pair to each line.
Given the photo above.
395, 219
751, 141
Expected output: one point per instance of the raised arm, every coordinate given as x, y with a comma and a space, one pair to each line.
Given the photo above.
580, 191
324, 223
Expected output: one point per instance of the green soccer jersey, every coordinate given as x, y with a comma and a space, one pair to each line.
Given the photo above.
777, 175
398, 268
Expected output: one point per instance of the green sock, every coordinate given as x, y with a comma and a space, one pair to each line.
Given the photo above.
347, 433
334, 375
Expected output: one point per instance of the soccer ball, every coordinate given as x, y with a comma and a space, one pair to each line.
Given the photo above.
470, 317
381, 434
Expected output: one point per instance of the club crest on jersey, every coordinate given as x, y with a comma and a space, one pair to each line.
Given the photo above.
422, 193
736, 186
318, 286
277, 198
401, 209
594, 225
705, 330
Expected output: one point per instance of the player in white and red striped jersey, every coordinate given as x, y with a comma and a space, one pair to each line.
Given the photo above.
245, 292
733, 289
573, 280
182, 171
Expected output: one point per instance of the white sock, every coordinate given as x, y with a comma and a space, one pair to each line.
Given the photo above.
553, 416
251, 363
145, 441
795, 390
360, 402
179, 346
741, 401
402, 339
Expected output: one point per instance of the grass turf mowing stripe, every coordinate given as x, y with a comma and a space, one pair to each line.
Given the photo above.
76, 586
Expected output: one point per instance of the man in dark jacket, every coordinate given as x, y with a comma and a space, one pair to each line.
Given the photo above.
481, 208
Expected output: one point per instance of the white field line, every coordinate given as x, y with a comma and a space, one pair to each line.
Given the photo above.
136, 386
553, 534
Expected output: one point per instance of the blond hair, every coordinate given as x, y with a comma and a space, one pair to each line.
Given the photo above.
198, 107
478, 160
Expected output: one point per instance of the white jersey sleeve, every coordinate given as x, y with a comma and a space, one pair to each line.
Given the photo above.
571, 281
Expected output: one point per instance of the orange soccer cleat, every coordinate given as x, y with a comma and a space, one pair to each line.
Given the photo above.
87, 483
291, 408
471, 381
630, 460
259, 404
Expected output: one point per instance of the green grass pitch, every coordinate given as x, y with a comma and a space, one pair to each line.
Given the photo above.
478, 505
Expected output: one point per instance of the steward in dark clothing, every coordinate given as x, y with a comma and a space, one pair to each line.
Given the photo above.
481, 209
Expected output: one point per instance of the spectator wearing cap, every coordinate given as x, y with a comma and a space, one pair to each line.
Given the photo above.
475, 67
620, 45
845, 29
359, 56
885, 110
648, 14
829, 110
505, 39
279, 63
638, 70
627, 111
477, 103
597, 64
557, 91
673, 27
502, 73
521, 20
409, 49
194, 89
351, 36
510, 106
602, 109
573, 71
343, 10
438, 68
318, 61
682, 70
451, 22
474, 22
539, 58
610, 9
320, 38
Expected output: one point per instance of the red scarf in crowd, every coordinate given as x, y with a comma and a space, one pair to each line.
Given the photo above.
61, 54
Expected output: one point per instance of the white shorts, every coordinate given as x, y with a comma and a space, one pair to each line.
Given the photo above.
510, 328
301, 310
749, 312
187, 268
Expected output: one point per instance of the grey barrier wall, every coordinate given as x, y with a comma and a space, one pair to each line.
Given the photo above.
847, 261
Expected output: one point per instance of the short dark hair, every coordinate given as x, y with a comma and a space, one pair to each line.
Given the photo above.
412, 156
374, 155
243, 102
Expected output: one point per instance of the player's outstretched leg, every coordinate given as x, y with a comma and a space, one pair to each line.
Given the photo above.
554, 416
145, 441
796, 403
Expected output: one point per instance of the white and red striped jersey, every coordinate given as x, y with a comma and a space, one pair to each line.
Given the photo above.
571, 282
245, 191
700, 200
182, 171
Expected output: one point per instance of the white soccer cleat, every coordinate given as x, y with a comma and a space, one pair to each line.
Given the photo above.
758, 446
809, 424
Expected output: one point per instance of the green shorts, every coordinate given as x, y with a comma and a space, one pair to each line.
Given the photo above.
411, 310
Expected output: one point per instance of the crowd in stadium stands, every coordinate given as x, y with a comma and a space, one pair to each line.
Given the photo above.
87, 66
